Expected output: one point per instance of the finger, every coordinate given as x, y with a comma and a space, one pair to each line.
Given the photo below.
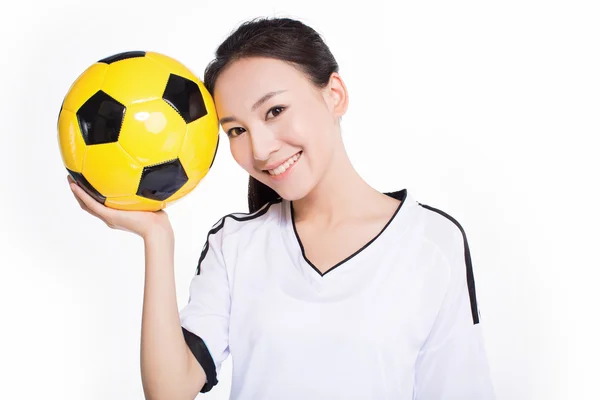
87, 202
81, 203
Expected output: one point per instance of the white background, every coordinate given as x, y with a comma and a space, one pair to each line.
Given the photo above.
488, 111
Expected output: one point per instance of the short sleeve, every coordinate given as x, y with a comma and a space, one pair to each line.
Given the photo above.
452, 363
205, 319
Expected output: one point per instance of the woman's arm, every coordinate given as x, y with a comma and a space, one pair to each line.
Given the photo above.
169, 370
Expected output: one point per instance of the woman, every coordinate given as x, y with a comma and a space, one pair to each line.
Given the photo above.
327, 288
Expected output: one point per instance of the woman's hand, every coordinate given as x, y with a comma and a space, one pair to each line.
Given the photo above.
142, 223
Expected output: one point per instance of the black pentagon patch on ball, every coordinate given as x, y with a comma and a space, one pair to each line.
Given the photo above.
185, 97
160, 181
80, 179
100, 119
122, 56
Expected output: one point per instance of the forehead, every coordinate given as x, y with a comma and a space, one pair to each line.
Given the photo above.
246, 80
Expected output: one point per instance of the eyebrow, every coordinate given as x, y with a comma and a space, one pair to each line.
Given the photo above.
258, 103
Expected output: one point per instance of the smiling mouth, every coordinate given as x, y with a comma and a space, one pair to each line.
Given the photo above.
285, 166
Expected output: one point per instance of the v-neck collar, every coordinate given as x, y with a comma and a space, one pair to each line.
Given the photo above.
293, 239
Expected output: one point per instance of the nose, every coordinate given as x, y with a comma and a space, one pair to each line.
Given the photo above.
264, 143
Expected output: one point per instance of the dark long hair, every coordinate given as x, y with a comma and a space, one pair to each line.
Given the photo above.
284, 39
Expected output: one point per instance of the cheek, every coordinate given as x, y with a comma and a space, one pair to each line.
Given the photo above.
312, 135
301, 132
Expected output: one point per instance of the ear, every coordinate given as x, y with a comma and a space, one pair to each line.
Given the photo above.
336, 95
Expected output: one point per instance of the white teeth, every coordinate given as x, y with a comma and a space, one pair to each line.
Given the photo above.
283, 167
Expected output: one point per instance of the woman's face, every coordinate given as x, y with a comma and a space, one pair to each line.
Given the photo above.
281, 128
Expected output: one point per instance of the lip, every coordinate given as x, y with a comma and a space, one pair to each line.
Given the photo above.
287, 171
277, 164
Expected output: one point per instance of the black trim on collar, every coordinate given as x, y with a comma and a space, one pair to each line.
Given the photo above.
399, 195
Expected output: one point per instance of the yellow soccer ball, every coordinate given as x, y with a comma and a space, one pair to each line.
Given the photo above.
138, 131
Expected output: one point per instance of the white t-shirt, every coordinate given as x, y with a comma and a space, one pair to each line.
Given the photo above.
396, 320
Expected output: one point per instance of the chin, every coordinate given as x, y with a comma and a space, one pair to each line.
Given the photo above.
293, 192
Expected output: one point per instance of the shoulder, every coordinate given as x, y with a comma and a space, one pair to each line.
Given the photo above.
441, 229
240, 223
237, 228
451, 238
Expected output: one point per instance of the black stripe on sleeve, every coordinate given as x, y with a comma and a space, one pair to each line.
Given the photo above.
196, 344
200, 351
470, 278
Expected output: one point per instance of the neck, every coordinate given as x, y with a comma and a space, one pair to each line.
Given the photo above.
340, 195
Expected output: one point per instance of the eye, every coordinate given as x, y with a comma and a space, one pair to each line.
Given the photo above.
275, 110
229, 132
